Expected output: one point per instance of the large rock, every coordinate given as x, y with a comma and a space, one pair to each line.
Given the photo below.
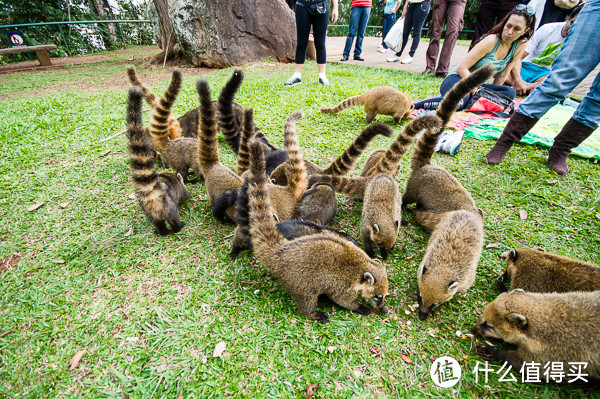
220, 33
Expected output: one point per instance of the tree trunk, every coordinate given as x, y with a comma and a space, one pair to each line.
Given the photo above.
167, 40
103, 9
220, 33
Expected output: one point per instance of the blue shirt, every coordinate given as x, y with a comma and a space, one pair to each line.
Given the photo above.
390, 5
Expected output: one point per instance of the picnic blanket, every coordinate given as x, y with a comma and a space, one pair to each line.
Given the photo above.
542, 133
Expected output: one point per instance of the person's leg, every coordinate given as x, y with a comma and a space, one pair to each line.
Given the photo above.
570, 67
352, 27
302, 31
434, 102
436, 26
408, 25
362, 26
388, 22
419, 16
320, 23
484, 20
455, 22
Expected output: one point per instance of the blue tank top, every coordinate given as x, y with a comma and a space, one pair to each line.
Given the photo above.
490, 58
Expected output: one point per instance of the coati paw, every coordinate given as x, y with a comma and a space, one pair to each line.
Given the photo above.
177, 228
363, 310
488, 353
233, 255
321, 317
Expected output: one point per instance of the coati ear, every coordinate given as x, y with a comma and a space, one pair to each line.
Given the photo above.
273, 181
541, 250
453, 287
397, 222
517, 320
180, 177
480, 212
510, 255
376, 228
369, 277
422, 270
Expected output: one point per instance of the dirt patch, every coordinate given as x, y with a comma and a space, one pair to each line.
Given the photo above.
10, 263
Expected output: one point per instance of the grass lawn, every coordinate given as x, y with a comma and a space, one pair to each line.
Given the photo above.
85, 271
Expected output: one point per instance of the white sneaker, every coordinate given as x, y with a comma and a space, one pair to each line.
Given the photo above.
381, 49
394, 59
293, 81
324, 81
407, 60
449, 142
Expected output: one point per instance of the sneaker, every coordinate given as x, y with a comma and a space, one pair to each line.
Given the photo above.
293, 81
449, 142
394, 59
407, 60
324, 81
382, 49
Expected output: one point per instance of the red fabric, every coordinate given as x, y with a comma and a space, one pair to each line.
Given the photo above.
361, 3
483, 104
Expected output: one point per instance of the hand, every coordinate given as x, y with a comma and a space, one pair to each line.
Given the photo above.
403, 14
334, 15
520, 87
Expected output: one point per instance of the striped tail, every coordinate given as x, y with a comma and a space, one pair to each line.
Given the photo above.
352, 186
347, 103
160, 119
345, 162
149, 95
208, 147
263, 229
142, 156
243, 162
227, 121
390, 161
451, 100
296, 170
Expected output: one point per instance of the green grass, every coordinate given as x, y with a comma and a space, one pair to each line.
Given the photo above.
149, 310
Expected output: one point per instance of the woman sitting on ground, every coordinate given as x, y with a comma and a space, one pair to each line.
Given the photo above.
502, 47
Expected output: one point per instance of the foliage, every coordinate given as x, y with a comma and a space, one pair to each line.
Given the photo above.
149, 311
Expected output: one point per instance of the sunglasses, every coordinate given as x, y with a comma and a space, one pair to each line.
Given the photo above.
527, 8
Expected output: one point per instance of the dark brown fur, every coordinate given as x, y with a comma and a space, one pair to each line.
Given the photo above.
158, 194
382, 100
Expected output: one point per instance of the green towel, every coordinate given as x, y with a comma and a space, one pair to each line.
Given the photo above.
542, 133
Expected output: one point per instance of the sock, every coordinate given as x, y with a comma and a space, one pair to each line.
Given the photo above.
323, 76
297, 75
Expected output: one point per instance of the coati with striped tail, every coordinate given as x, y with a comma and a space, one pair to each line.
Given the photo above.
534, 270
311, 265
556, 328
382, 100
450, 262
217, 177
380, 224
158, 194
434, 189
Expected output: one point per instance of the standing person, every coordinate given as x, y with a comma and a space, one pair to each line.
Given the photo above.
489, 12
389, 17
502, 47
414, 12
359, 17
452, 11
540, 53
579, 56
306, 16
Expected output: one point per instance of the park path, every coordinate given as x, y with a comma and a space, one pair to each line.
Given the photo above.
335, 47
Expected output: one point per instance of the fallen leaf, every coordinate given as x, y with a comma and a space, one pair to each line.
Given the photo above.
357, 372
406, 359
129, 232
330, 349
74, 362
35, 207
219, 349
162, 368
492, 245
552, 181
310, 390
375, 350
523, 214
131, 196
59, 261
409, 257
64, 204
105, 153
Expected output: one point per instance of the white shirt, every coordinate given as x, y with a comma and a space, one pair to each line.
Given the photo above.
548, 34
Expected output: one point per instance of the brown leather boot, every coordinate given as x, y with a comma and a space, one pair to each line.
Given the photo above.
571, 135
517, 127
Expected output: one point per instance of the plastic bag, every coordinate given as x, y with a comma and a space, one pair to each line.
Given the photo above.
394, 37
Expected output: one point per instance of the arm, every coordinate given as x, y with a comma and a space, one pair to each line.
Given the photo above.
500, 77
515, 73
397, 6
334, 11
405, 9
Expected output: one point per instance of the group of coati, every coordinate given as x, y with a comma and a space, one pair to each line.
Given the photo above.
281, 205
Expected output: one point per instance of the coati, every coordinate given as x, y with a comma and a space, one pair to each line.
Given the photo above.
434, 189
546, 328
285, 199
450, 262
311, 265
382, 100
534, 270
158, 194
217, 177
318, 205
380, 222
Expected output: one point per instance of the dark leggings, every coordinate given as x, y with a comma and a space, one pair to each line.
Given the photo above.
303, 22
414, 20
453, 79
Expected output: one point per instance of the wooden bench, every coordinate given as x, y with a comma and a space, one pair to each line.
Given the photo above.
40, 50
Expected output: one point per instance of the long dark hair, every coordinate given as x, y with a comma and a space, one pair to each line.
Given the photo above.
529, 20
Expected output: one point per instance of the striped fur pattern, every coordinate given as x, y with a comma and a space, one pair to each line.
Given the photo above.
158, 194
314, 264
243, 162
